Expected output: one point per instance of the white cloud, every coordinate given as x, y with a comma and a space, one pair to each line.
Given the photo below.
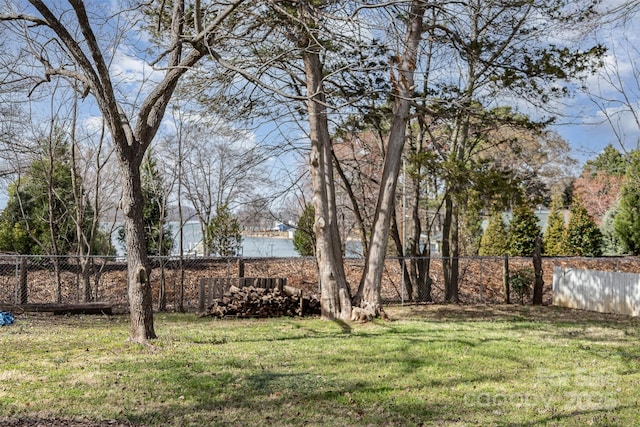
132, 71
93, 124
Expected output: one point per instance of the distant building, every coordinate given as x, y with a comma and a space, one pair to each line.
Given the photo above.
281, 226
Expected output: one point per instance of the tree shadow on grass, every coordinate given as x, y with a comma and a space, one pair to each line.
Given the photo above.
507, 313
295, 395
344, 326
278, 398
598, 417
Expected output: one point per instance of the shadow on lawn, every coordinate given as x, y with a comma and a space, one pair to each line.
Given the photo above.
506, 313
403, 395
277, 398
240, 391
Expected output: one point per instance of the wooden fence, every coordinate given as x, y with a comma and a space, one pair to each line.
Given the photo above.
601, 291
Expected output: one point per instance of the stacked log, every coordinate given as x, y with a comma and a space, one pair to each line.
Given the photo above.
259, 302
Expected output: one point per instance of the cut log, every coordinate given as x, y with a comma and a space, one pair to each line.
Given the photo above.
261, 302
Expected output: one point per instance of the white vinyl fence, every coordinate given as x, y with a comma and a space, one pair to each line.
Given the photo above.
602, 291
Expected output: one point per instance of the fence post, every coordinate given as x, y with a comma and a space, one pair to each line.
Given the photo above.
240, 267
481, 284
201, 295
16, 289
537, 269
403, 278
23, 280
505, 279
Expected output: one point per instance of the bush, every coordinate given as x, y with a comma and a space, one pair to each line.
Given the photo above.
521, 282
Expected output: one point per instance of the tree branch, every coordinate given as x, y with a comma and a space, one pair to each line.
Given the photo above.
23, 17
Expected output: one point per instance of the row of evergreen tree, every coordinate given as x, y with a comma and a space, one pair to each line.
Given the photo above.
580, 236
618, 231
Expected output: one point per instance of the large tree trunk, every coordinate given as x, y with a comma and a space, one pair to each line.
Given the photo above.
335, 296
450, 252
538, 284
138, 268
368, 295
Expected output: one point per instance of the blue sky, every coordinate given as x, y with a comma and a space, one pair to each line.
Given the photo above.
583, 124
606, 112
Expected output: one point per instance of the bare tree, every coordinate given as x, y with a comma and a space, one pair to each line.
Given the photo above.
220, 166
132, 132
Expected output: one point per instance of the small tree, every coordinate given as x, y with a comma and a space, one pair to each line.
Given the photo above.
224, 233
610, 160
494, 241
470, 234
521, 282
523, 231
611, 244
158, 233
582, 235
304, 238
553, 240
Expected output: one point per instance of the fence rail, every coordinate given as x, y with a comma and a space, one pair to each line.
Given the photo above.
71, 280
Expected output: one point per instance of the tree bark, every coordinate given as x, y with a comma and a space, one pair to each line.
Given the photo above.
506, 286
23, 287
355, 206
368, 295
180, 304
335, 296
138, 268
451, 292
450, 249
420, 262
537, 269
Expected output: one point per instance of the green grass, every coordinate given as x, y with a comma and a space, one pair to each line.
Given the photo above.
432, 365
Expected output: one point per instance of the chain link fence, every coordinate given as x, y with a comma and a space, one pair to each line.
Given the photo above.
175, 281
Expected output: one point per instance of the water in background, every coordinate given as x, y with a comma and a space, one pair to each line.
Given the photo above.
252, 247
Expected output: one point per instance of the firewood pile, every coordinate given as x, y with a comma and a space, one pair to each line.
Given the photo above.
259, 302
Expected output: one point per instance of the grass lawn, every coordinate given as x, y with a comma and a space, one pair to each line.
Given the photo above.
429, 365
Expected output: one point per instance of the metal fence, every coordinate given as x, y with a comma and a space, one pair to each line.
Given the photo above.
71, 280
